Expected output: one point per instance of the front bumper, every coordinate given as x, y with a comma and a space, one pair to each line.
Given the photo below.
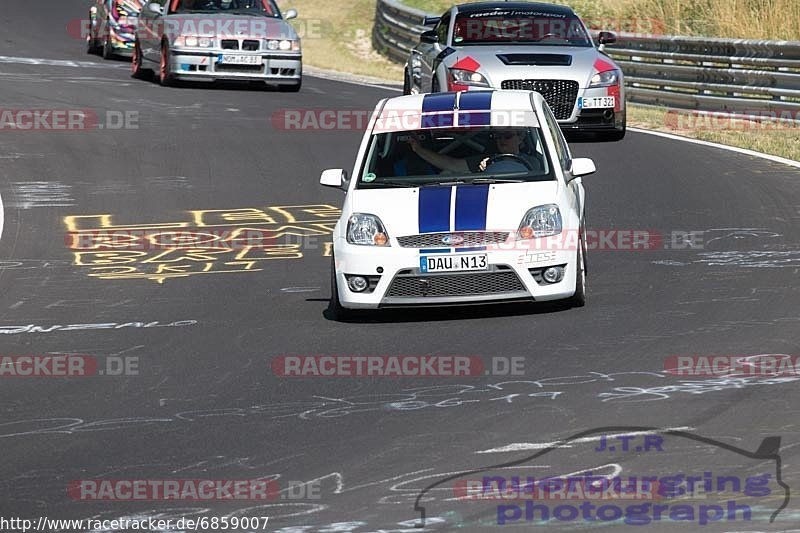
280, 69
511, 277
570, 116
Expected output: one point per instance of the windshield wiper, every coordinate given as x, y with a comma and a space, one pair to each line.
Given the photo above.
492, 179
389, 183
443, 183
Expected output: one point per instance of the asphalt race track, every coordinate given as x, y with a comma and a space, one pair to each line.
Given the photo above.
203, 401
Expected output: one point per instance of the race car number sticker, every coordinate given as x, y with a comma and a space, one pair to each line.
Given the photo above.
598, 102
452, 263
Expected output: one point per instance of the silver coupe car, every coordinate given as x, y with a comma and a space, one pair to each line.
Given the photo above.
207, 40
522, 45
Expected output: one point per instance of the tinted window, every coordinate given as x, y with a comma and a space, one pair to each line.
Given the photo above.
530, 27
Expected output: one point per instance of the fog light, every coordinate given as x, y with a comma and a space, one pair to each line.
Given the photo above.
357, 283
553, 274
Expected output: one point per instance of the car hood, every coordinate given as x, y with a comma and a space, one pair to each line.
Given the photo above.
411, 211
228, 26
500, 62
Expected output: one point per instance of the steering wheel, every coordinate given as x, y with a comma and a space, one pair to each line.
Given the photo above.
514, 157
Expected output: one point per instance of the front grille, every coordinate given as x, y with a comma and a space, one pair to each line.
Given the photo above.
464, 284
250, 45
471, 239
560, 95
230, 44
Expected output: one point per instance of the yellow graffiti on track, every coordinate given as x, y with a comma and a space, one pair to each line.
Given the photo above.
218, 241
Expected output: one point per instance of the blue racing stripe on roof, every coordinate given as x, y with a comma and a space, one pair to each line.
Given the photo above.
471, 206
475, 101
475, 118
432, 103
434, 209
442, 120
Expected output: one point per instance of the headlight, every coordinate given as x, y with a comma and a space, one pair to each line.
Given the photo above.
467, 77
366, 230
192, 41
541, 221
605, 79
285, 44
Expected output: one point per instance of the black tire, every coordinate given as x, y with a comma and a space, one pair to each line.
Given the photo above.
335, 309
165, 77
91, 39
291, 88
137, 69
579, 298
108, 49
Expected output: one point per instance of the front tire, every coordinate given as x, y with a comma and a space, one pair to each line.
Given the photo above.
165, 77
91, 39
108, 49
137, 70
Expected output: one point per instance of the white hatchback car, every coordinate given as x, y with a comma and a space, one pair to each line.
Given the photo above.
460, 198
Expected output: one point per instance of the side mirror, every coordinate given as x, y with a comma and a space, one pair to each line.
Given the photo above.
429, 37
290, 14
333, 177
606, 37
155, 7
582, 166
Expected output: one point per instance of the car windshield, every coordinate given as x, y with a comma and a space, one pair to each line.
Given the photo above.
529, 27
433, 157
237, 7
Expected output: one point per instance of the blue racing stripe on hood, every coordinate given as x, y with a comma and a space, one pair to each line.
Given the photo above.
471, 205
434, 209
475, 101
438, 102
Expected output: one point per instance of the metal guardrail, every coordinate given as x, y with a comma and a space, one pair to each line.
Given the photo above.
747, 77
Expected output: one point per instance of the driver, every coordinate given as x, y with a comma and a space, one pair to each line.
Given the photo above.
507, 141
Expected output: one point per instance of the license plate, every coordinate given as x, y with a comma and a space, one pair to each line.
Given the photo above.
240, 60
453, 263
598, 102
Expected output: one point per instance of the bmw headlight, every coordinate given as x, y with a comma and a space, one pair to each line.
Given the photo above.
468, 77
282, 44
366, 230
605, 79
541, 221
193, 41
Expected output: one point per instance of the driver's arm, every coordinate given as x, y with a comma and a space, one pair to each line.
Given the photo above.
443, 162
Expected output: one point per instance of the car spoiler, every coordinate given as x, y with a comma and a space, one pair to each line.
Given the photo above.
430, 21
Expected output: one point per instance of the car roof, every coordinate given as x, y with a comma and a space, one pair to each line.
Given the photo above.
463, 109
504, 6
